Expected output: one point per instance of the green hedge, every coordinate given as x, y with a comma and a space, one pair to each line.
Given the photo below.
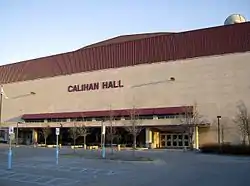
226, 149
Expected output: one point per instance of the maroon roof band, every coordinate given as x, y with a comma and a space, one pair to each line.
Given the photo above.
105, 113
132, 50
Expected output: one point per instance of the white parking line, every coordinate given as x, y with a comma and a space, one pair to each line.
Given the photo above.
110, 173
4, 173
69, 169
88, 173
35, 179
83, 170
86, 170
17, 176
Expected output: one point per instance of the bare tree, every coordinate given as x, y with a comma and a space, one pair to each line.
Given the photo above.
46, 131
190, 119
74, 134
110, 129
134, 127
77, 131
242, 119
224, 128
82, 130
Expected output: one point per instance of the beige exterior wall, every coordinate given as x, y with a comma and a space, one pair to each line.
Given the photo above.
216, 83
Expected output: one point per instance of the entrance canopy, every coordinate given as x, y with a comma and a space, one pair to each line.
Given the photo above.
115, 113
178, 128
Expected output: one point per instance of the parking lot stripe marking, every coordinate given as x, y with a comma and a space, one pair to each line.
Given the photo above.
83, 170
110, 173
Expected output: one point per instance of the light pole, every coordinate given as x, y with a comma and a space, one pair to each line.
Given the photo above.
1, 105
1, 102
61, 135
169, 80
2, 93
17, 124
17, 130
218, 123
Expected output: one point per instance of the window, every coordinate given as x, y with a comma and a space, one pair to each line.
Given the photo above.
34, 120
57, 120
127, 117
168, 116
117, 118
145, 117
88, 119
77, 119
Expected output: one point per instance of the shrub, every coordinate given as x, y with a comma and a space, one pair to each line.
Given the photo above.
123, 145
226, 149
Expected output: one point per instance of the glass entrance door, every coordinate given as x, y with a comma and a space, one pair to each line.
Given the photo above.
163, 140
169, 140
174, 140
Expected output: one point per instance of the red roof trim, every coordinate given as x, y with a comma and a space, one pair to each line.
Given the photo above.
105, 113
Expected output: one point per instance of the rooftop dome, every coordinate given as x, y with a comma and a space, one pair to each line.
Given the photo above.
234, 18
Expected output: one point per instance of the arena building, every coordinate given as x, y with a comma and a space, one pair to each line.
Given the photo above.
158, 75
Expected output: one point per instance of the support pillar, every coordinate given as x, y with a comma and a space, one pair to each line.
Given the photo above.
6, 135
34, 136
196, 137
156, 140
148, 137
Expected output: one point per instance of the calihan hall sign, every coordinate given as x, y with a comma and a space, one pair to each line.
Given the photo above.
95, 86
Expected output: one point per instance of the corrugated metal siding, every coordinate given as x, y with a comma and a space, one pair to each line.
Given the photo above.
198, 43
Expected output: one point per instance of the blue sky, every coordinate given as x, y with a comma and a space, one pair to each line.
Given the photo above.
31, 29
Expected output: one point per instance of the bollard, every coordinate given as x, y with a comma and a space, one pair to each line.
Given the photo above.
57, 144
103, 151
57, 155
11, 137
10, 159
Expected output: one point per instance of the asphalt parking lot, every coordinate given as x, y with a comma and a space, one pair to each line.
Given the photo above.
37, 166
